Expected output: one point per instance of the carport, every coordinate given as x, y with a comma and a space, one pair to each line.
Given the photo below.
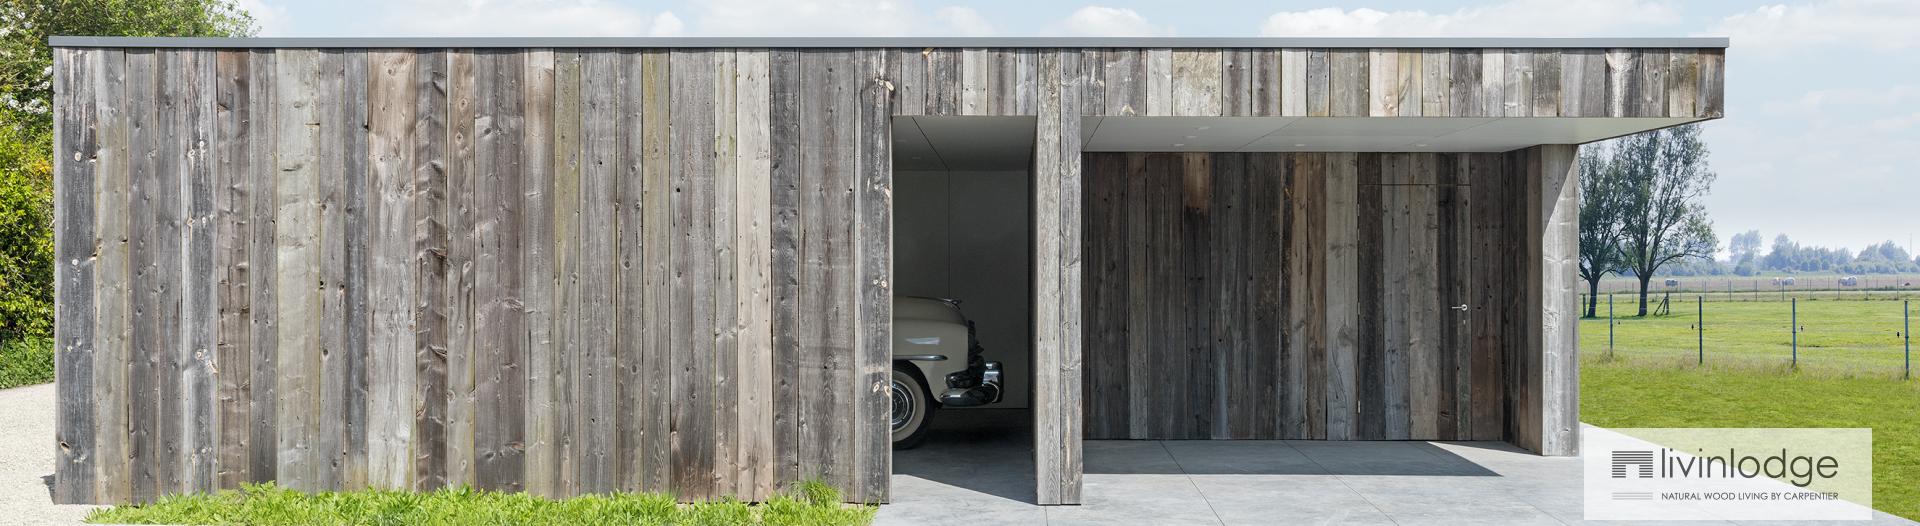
667, 264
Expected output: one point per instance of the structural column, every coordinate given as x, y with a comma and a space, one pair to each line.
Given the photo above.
1549, 422
1056, 281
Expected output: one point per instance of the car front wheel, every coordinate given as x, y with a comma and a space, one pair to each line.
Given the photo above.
912, 406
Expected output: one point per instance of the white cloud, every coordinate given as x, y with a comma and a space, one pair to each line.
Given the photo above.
1778, 28
270, 20
964, 21
519, 18
1516, 18
802, 18
1104, 21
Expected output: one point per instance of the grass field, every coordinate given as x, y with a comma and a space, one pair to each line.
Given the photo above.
807, 504
1657, 391
1841, 338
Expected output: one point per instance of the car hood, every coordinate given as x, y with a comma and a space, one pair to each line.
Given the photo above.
925, 309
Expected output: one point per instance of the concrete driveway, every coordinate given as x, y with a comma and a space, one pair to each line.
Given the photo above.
26, 459
977, 468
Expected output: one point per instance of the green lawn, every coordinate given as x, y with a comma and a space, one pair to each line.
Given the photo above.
1656, 392
809, 504
1838, 338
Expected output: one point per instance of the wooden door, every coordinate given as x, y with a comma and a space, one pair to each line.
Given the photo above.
1415, 239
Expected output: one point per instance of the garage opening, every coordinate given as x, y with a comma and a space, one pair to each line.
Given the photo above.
963, 310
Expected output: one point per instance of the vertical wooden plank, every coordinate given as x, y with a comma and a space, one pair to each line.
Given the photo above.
112, 272
499, 346
553, 452
1622, 82
1159, 82
230, 231
1265, 219
1319, 88
691, 155
873, 438
753, 247
354, 325
1227, 174
1196, 82
1422, 296
1574, 95
944, 79
1436, 82
1411, 82
784, 262
263, 429
1350, 95
630, 352
839, 171
1093, 81
1546, 83
1139, 299
656, 455
975, 67
150, 334
1493, 84
725, 294
1711, 94
907, 70
75, 177
1454, 257
1517, 83
1027, 67
1383, 83
1293, 82
539, 87
1308, 214
1652, 80
463, 213
1490, 209
431, 271
193, 361
295, 220
390, 344
1068, 389
1127, 84
1199, 220
1236, 82
336, 208
1683, 82
1055, 68
1342, 302
595, 414
1266, 82
1465, 97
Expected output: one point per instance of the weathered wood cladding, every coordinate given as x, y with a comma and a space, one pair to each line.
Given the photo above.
558, 271
1317, 296
1386, 82
636, 268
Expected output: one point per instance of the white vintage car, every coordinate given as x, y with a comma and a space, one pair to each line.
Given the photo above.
932, 339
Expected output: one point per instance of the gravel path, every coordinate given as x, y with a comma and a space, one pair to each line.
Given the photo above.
26, 459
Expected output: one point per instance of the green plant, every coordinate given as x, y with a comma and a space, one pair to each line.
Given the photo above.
26, 361
270, 505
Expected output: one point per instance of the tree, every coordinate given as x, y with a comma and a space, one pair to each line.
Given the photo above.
1601, 203
26, 126
1664, 175
1743, 246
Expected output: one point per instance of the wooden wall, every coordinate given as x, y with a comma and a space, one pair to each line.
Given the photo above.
1317, 295
1338, 82
559, 271
573, 270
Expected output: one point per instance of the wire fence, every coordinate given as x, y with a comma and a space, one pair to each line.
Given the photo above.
1773, 288
1849, 334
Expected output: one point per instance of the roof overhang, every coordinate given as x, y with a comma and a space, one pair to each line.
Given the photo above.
875, 42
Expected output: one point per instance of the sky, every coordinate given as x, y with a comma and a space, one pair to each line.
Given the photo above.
1820, 142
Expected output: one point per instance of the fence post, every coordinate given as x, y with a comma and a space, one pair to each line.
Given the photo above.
1609, 326
1906, 332
1700, 323
1796, 332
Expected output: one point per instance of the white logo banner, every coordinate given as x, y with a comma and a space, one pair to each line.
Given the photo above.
1728, 474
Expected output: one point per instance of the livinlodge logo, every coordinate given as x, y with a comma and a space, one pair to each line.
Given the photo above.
1728, 474
1798, 470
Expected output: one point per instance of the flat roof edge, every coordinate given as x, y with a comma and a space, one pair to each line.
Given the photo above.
875, 42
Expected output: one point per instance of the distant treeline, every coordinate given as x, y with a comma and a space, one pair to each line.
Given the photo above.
1747, 258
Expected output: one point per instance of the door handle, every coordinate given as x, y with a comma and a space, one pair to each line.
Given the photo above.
1462, 307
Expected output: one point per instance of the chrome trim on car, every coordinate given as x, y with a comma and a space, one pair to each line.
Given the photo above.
921, 357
